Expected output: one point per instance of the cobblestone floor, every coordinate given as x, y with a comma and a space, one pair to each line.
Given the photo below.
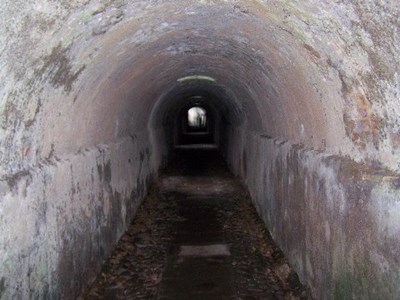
197, 236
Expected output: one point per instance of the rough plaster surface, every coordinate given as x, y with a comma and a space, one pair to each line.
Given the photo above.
60, 221
336, 220
94, 83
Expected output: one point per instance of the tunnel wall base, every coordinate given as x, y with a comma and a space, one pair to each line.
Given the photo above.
162, 147
70, 214
335, 219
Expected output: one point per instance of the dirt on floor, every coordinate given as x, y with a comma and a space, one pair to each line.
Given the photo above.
197, 236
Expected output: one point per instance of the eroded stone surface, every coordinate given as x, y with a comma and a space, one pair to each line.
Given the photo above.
81, 77
315, 203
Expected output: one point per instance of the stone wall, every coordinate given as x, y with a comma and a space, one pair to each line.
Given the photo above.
335, 219
88, 87
61, 220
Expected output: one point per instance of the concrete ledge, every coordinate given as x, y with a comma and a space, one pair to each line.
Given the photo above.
337, 220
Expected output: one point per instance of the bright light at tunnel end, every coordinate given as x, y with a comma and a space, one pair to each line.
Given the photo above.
196, 78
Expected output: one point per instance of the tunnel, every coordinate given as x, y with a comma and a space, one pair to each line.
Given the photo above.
301, 99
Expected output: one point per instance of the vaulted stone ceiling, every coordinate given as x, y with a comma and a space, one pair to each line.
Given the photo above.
87, 86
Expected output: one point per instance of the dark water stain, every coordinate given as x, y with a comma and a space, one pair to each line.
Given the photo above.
104, 171
59, 68
2, 286
13, 179
107, 172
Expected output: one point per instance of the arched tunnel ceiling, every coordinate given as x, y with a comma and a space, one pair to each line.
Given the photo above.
199, 93
310, 93
320, 75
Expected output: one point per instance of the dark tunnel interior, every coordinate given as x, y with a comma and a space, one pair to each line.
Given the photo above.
300, 99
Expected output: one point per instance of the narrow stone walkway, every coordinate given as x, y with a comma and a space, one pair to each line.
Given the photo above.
197, 237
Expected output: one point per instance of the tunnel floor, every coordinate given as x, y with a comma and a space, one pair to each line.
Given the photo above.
197, 236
